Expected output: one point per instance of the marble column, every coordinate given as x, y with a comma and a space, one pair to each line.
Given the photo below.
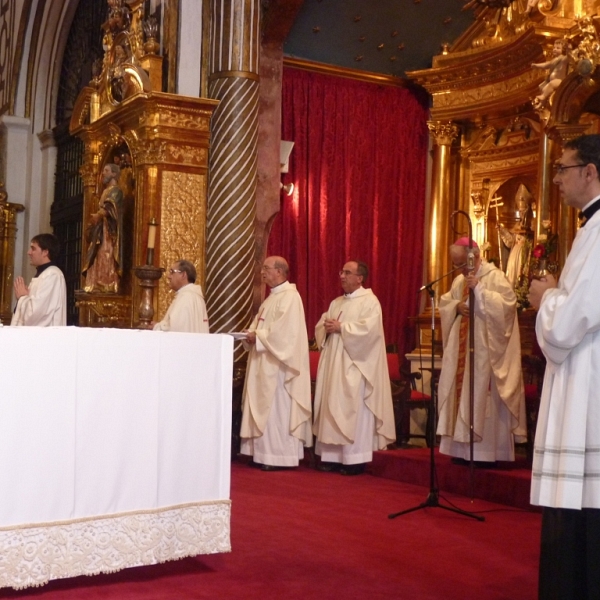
234, 81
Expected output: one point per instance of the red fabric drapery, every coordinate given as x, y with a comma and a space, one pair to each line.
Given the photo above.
359, 170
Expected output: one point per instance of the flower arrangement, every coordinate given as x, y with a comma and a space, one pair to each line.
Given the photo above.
547, 243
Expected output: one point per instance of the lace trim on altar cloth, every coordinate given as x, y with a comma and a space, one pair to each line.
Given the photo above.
32, 555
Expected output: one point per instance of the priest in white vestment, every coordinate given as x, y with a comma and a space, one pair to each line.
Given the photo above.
187, 312
566, 463
499, 400
354, 414
276, 403
44, 302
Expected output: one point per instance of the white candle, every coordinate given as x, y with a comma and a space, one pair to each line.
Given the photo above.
152, 234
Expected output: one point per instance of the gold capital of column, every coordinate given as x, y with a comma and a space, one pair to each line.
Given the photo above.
443, 134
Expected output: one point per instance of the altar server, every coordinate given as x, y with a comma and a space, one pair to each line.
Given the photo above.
566, 460
276, 404
499, 401
187, 312
44, 302
353, 400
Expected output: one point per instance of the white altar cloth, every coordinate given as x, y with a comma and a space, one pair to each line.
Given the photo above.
114, 449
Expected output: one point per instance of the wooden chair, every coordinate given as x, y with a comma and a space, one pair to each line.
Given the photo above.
407, 397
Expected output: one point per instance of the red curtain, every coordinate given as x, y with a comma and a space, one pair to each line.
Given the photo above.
359, 170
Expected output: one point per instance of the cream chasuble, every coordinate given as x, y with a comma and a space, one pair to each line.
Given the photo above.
280, 353
46, 303
187, 312
348, 359
498, 375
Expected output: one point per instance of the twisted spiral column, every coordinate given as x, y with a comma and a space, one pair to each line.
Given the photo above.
234, 82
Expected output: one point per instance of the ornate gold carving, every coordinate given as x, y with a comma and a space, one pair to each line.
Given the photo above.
443, 134
493, 91
478, 168
8, 28
183, 223
8, 236
108, 310
197, 120
152, 151
187, 154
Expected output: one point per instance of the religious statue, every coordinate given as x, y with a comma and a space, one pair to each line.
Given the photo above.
557, 67
103, 266
531, 4
518, 238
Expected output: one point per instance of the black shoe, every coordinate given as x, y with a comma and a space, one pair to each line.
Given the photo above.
353, 469
273, 468
459, 461
328, 467
255, 465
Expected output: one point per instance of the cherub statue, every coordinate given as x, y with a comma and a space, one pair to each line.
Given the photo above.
531, 4
557, 66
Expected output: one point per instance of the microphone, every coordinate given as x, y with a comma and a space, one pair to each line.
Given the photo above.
471, 261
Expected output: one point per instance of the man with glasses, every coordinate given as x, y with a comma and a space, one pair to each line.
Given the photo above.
566, 463
353, 399
187, 312
498, 393
276, 404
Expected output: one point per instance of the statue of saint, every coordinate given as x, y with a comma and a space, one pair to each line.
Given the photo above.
103, 266
557, 71
516, 239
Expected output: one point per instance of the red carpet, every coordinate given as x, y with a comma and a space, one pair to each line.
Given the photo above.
309, 535
508, 483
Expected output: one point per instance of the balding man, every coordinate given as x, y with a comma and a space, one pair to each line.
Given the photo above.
276, 405
187, 312
499, 402
353, 398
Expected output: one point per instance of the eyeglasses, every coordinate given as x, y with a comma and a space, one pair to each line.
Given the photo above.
171, 271
343, 272
560, 169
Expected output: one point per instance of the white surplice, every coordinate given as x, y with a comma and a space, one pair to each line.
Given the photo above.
276, 405
187, 312
353, 392
499, 400
46, 303
566, 463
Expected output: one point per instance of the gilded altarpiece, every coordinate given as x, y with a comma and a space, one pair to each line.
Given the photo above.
168, 139
517, 84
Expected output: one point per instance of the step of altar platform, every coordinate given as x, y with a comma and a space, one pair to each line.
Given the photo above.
507, 483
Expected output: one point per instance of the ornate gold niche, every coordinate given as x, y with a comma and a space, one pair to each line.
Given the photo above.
8, 235
166, 138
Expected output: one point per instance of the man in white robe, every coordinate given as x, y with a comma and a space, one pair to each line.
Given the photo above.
354, 414
499, 400
187, 312
44, 302
276, 403
566, 463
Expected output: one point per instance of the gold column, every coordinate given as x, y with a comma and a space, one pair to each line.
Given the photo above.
442, 202
8, 236
234, 80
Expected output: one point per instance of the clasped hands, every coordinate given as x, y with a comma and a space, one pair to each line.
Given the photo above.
332, 326
20, 288
538, 287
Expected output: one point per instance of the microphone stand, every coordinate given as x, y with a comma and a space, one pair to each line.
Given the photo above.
433, 498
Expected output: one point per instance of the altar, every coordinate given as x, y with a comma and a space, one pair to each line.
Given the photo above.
114, 450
